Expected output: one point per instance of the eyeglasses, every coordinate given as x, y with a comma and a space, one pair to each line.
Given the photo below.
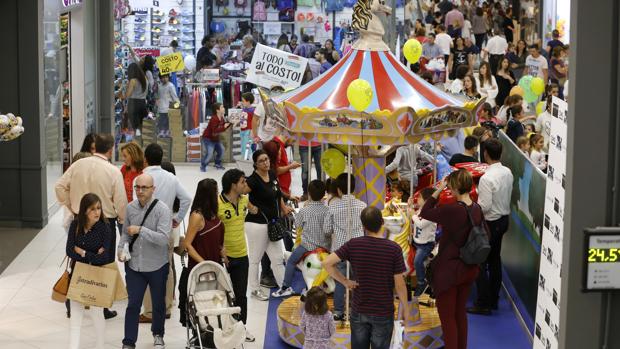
263, 160
142, 188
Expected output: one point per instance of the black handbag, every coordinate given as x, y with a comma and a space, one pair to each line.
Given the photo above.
276, 228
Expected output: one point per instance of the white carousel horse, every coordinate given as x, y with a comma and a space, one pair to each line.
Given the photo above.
366, 21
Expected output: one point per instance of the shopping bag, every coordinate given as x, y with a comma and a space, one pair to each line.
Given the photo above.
120, 289
92, 285
59, 291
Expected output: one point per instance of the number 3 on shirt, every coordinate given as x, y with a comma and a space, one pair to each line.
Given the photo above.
228, 214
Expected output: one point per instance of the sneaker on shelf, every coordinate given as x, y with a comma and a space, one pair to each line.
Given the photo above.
185, 20
156, 30
174, 31
187, 47
173, 13
173, 21
140, 31
249, 337
187, 38
283, 292
139, 20
260, 295
268, 281
158, 13
158, 342
188, 30
157, 21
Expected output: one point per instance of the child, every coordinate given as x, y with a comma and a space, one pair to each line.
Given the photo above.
524, 144
537, 155
424, 241
332, 191
310, 220
317, 322
211, 138
247, 99
167, 94
400, 193
514, 128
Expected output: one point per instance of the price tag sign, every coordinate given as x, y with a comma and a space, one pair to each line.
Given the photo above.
170, 63
602, 259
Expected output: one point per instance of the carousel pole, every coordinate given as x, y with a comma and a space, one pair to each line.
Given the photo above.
309, 162
434, 162
349, 170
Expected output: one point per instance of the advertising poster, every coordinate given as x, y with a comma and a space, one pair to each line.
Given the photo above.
546, 331
271, 67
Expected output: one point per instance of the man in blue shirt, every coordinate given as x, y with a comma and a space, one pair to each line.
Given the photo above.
320, 57
430, 49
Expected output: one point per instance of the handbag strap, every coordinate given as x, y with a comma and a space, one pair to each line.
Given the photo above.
148, 211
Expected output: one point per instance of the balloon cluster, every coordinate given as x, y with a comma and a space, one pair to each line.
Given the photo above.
10, 127
530, 88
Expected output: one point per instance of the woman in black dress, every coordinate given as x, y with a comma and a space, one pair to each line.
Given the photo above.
505, 81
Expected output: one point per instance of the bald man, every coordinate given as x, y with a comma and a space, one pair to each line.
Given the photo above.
146, 233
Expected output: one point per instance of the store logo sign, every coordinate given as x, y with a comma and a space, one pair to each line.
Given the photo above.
71, 3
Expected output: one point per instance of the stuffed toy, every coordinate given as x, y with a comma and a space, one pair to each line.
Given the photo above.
10, 127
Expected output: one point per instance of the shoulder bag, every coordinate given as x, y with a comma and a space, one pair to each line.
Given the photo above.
148, 211
61, 287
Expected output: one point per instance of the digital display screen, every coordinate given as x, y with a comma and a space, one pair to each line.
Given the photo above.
602, 259
604, 255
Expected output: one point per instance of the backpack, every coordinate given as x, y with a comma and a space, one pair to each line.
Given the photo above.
285, 5
260, 13
477, 247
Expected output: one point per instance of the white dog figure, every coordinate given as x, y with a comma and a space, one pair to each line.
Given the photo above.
313, 272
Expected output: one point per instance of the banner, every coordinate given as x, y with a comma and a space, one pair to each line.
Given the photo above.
146, 51
271, 67
170, 63
549, 280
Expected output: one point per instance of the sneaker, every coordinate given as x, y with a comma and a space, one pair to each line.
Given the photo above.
260, 295
188, 30
478, 310
249, 337
109, 314
419, 290
203, 169
158, 342
338, 317
220, 167
127, 346
268, 282
283, 292
158, 13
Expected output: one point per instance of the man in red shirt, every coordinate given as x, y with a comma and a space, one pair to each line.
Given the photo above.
283, 166
378, 267
211, 138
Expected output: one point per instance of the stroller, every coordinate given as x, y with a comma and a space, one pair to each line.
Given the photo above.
210, 309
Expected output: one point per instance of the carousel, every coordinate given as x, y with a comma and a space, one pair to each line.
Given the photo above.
366, 106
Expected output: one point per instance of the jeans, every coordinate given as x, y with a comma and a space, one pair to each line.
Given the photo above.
480, 39
490, 279
316, 157
245, 141
136, 285
340, 291
421, 254
163, 123
238, 270
136, 111
289, 271
367, 331
209, 147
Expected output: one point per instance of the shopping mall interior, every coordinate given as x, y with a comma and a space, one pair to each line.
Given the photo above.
386, 174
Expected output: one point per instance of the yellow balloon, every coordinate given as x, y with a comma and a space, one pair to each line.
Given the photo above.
359, 94
537, 86
540, 107
517, 90
412, 51
333, 162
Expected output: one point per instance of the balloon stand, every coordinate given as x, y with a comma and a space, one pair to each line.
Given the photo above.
370, 180
422, 330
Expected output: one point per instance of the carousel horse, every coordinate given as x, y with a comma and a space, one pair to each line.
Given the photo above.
10, 127
398, 230
366, 21
313, 272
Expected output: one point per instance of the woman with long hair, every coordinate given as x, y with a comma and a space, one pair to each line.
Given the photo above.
505, 80
283, 44
459, 56
479, 28
332, 55
266, 195
517, 59
88, 146
89, 241
133, 164
452, 278
293, 43
470, 89
487, 85
136, 97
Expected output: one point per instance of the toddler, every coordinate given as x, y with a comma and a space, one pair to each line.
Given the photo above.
524, 144
317, 322
247, 99
423, 240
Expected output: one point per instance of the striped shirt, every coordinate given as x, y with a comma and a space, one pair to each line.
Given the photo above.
336, 222
375, 261
233, 217
310, 219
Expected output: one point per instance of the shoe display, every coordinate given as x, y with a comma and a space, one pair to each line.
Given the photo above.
187, 30
260, 295
187, 21
158, 342
173, 21
283, 292
173, 13
156, 30
140, 31
139, 20
158, 13
268, 281
249, 337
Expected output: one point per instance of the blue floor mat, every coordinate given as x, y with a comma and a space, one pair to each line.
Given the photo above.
501, 330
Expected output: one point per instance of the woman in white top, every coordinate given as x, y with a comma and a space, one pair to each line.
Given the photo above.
487, 86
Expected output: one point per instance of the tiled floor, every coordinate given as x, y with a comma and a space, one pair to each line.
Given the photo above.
30, 319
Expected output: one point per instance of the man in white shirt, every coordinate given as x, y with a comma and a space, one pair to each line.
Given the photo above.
167, 188
496, 49
443, 40
494, 193
535, 64
406, 160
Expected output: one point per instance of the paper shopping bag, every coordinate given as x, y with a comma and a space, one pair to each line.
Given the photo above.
92, 285
121, 290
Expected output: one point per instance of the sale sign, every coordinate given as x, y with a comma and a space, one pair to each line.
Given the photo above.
271, 67
146, 51
170, 63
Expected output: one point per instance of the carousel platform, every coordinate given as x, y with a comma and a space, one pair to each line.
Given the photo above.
422, 331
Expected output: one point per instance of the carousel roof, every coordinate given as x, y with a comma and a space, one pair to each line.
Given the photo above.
393, 84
